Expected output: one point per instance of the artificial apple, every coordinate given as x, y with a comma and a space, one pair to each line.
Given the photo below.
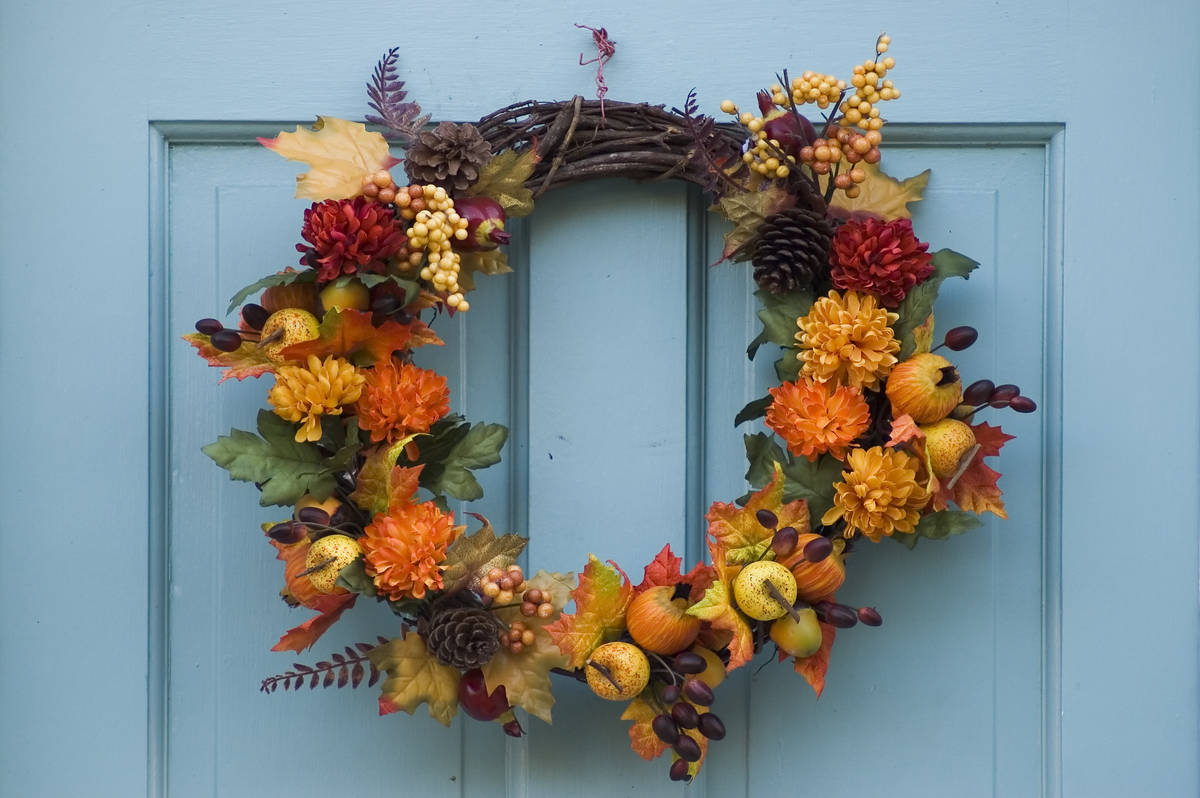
617, 671
798, 635
926, 387
764, 590
345, 292
286, 327
659, 622
818, 580
946, 442
327, 557
293, 295
475, 699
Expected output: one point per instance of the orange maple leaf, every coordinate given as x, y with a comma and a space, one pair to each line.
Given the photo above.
717, 608
737, 529
347, 332
642, 739
248, 360
303, 636
601, 599
976, 490
664, 570
904, 429
813, 668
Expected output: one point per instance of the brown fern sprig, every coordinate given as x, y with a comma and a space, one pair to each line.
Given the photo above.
709, 149
386, 93
349, 668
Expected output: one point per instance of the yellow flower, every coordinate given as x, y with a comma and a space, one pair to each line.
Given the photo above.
320, 389
880, 495
847, 338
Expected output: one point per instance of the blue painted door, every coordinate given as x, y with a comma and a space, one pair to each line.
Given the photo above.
1052, 654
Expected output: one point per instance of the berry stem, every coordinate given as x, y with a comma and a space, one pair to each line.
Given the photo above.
774, 593
670, 671
963, 465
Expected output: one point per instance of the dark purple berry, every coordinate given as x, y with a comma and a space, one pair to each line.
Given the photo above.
288, 532
209, 326
960, 338
767, 518
841, 616
818, 549
870, 616
665, 728
226, 340
1004, 393
687, 748
698, 692
689, 662
712, 727
679, 770
313, 515
685, 716
784, 541
979, 392
1023, 404
670, 693
255, 315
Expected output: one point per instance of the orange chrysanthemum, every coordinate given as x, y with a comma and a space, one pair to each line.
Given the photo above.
880, 494
404, 548
847, 339
322, 388
814, 418
400, 400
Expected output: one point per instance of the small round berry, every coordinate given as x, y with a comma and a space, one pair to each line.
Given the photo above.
728, 106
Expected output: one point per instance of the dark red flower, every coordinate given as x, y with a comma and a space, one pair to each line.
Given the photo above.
348, 236
878, 257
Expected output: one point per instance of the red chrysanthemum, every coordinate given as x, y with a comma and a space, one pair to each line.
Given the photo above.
880, 258
399, 400
349, 235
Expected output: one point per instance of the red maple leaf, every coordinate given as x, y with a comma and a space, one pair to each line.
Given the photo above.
904, 429
347, 332
664, 570
303, 636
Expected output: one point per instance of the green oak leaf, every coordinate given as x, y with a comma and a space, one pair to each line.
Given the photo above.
939, 526
283, 278
812, 482
787, 368
283, 468
354, 578
753, 410
779, 313
455, 451
918, 303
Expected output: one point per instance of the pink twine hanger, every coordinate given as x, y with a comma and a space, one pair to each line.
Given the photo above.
605, 49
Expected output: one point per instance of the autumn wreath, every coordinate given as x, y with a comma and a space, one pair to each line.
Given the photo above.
871, 435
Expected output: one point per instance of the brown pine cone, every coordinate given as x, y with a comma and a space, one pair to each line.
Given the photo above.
450, 156
463, 638
791, 251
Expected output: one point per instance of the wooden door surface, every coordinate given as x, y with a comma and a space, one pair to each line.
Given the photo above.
1051, 654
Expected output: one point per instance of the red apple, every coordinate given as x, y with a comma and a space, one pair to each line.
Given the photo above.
659, 622
475, 700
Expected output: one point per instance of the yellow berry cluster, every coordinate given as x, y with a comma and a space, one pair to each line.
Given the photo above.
861, 109
502, 585
811, 87
435, 228
763, 155
379, 186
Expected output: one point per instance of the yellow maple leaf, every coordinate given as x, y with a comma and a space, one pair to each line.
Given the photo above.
603, 594
883, 195
716, 608
526, 676
645, 742
748, 210
738, 530
503, 179
338, 152
414, 677
489, 262
923, 336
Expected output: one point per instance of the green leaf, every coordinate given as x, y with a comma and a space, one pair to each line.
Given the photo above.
347, 448
906, 539
283, 468
812, 482
763, 453
354, 578
779, 313
753, 410
787, 368
477, 446
941, 525
410, 288
758, 341
918, 303
283, 278
373, 486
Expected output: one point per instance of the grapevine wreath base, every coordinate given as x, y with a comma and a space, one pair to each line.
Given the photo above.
871, 434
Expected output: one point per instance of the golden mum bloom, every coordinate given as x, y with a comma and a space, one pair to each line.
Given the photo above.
400, 400
847, 339
814, 417
404, 550
305, 393
880, 495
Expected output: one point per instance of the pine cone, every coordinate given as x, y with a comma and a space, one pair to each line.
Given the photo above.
792, 250
463, 638
450, 155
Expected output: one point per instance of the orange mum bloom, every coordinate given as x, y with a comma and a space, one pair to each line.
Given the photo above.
404, 550
880, 494
400, 400
847, 338
814, 418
